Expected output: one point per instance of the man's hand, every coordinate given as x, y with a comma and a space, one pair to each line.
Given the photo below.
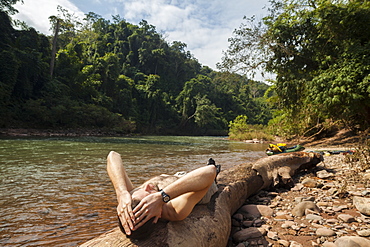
149, 207
125, 212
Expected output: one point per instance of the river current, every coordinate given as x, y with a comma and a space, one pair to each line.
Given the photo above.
56, 191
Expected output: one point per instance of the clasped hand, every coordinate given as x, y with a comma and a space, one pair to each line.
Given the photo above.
125, 212
149, 207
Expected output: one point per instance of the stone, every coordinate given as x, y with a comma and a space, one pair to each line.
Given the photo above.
295, 244
325, 232
331, 221
248, 223
324, 174
272, 235
346, 218
300, 208
248, 233
258, 223
365, 193
283, 243
309, 182
256, 211
302, 199
238, 217
367, 176
362, 204
235, 223
297, 187
322, 204
266, 227
313, 217
296, 228
364, 233
328, 244
352, 241
288, 224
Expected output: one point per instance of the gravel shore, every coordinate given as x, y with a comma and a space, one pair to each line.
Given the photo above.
322, 209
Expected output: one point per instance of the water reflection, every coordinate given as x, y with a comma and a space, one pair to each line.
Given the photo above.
56, 192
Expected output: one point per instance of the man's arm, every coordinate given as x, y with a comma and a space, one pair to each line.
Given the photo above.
122, 185
185, 193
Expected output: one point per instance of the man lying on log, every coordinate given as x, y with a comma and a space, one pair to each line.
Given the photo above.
169, 197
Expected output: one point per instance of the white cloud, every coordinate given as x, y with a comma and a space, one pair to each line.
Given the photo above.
37, 15
203, 25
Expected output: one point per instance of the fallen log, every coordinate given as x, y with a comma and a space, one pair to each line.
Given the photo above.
210, 225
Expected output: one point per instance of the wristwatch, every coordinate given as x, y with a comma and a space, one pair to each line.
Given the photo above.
166, 198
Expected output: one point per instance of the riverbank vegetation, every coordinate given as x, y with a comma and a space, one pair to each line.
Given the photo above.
319, 53
114, 75
97, 73
239, 129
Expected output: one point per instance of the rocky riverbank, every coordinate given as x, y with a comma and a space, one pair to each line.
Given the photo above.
328, 206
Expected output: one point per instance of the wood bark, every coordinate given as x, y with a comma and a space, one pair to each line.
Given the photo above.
54, 47
210, 225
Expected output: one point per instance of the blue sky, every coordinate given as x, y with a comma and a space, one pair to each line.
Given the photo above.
204, 25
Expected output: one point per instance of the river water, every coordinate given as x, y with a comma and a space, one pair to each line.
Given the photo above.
56, 191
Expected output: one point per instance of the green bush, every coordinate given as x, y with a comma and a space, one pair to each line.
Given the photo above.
240, 130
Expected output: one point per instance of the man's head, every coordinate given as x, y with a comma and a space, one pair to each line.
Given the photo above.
137, 195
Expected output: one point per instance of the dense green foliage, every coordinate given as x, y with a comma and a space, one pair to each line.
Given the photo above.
320, 54
116, 75
239, 129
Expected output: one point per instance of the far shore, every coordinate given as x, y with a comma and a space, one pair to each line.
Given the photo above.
24, 132
342, 139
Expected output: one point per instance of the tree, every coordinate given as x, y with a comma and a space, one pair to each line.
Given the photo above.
6, 6
238, 127
319, 53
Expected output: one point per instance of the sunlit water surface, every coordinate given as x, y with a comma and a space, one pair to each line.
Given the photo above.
56, 191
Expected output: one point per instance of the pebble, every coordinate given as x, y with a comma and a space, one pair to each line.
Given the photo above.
324, 174
328, 244
300, 209
362, 204
256, 211
346, 218
248, 233
328, 202
273, 235
364, 233
283, 243
288, 224
295, 244
313, 217
352, 241
309, 182
325, 232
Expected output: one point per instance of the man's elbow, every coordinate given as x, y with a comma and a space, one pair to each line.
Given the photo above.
113, 154
111, 157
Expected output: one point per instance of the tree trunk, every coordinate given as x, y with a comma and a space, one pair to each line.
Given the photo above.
54, 47
210, 225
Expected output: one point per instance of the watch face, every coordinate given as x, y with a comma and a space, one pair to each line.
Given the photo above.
166, 198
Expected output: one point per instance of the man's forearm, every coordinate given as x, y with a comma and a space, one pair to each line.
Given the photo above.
194, 181
117, 173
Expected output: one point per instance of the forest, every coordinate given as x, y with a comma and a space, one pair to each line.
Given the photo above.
320, 54
114, 75
111, 74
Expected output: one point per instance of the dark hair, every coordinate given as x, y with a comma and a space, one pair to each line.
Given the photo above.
143, 231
